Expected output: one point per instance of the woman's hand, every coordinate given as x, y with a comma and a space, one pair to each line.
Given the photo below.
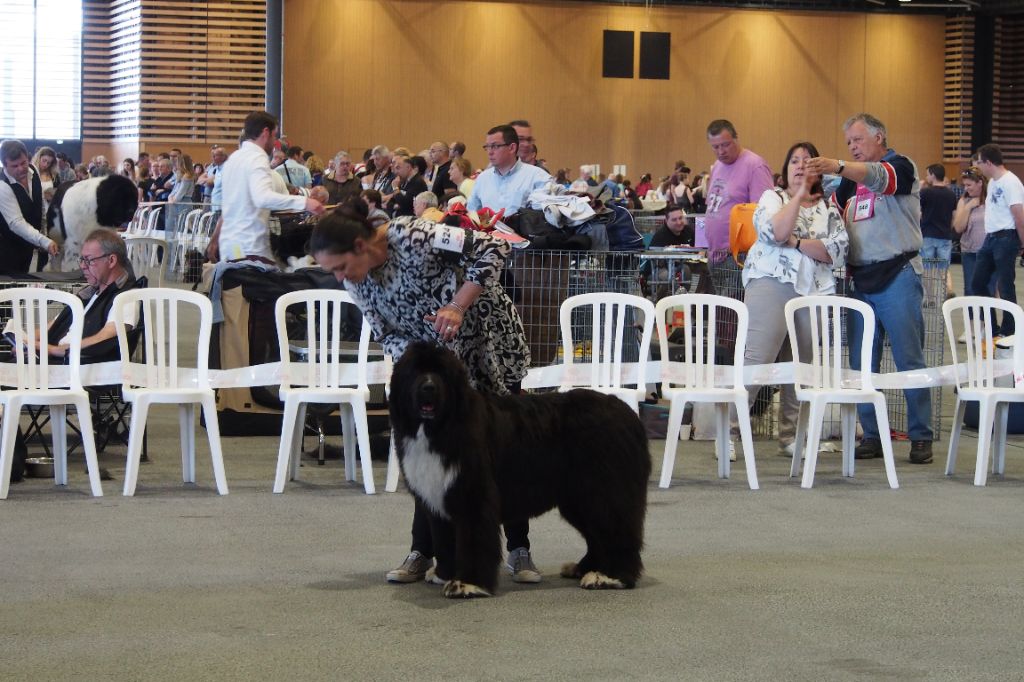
970, 203
447, 322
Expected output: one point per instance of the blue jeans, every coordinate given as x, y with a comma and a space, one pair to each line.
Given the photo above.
998, 254
898, 315
968, 259
936, 249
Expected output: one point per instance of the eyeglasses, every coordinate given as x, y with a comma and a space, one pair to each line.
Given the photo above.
489, 147
972, 173
87, 262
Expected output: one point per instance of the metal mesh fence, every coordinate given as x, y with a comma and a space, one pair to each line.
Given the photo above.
540, 280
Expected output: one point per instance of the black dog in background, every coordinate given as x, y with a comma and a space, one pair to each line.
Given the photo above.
476, 461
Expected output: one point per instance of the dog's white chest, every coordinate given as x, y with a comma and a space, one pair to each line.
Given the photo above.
426, 474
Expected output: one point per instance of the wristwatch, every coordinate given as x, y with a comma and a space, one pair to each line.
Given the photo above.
842, 165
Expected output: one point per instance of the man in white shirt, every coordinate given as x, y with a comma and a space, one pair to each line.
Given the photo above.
1004, 230
247, 187
21, 210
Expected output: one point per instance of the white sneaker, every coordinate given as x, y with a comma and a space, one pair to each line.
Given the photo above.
962, 338
787, 450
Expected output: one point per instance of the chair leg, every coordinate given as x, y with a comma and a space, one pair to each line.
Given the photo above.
848, 417
815, 419
954, 436
999, 438
722, 439
885, 435
286, 450
348, 433
8, 434
84, 412
986, 424
135, 432
363, 435
59, 430
800, 444
300, 435
187, 434
747, 440
391, 485
213, 434
668, 460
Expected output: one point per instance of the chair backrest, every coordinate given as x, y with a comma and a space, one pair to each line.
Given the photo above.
613, 323
28, 322
698, 317
146, 254
138, 221
152, 221
976, 369
187, 223
161, 310
322, 359
203, 231
826, 322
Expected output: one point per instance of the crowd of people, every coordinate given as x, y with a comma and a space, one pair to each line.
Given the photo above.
393, 241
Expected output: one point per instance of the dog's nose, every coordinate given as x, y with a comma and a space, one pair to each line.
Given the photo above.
428, 389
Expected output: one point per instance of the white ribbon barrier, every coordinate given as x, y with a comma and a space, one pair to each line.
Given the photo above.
379, 372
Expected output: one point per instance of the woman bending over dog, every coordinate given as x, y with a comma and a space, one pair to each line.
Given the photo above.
416, 280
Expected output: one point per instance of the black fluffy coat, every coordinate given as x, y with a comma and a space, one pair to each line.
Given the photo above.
516, 457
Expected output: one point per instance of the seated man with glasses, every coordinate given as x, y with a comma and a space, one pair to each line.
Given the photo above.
104, 263
508, 182
107, 271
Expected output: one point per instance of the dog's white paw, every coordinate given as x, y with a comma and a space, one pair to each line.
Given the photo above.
570, 570
433, 578
596, 580
456, 589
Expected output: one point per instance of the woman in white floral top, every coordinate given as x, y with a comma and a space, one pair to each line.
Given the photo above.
800, 240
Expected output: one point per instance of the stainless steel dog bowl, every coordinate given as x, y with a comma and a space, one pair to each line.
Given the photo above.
39, 467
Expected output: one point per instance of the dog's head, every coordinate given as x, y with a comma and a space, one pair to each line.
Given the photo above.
116, 201
428, 387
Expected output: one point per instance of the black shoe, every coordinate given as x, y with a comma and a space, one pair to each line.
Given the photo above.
869, 448
920, 451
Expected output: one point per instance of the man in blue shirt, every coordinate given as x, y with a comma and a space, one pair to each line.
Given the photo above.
508, 182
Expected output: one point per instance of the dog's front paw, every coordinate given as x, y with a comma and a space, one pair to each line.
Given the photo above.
596, 580
456, 589
433, 578
570, 570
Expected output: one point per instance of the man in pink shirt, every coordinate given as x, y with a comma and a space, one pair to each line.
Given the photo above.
739, 176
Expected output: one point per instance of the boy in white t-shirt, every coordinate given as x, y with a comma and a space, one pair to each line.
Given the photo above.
1004, 231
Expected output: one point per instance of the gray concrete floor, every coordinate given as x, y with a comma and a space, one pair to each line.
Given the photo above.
848, 581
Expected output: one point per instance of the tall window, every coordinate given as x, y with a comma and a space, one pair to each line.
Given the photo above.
40, 69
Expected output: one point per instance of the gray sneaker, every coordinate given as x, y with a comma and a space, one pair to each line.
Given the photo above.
412, 570
520, 565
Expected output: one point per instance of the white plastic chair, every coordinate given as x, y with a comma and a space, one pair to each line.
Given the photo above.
182, 237
138, 221
28, 311
152, 221
693, 379
317, 379
821, 382
613, 324
159, 379
146, 254
976, 379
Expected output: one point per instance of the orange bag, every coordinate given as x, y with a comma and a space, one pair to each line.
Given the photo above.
742, 233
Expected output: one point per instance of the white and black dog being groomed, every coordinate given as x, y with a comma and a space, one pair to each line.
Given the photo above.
476, 461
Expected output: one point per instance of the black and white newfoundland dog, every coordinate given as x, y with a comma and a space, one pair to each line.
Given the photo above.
108, 201
476, 461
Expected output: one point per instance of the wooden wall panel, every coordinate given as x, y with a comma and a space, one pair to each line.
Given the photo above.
171, 73
407, 72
